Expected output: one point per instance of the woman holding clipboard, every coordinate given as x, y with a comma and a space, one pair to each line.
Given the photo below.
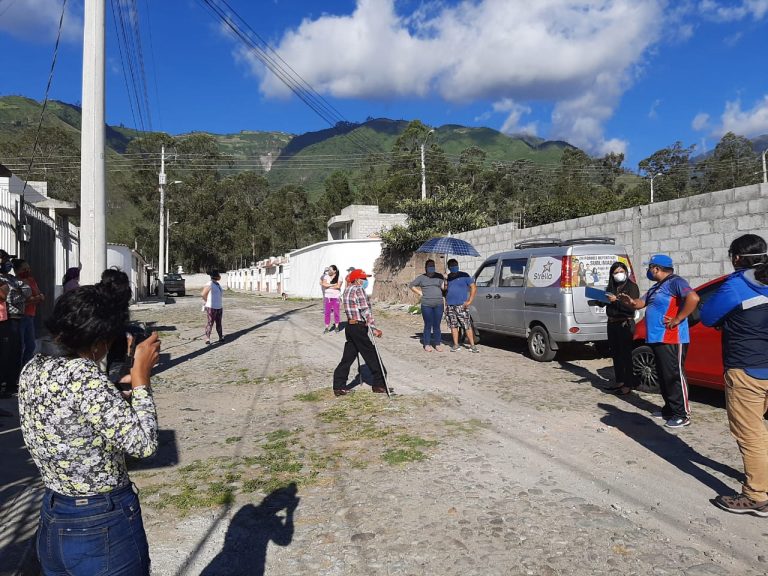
621, 327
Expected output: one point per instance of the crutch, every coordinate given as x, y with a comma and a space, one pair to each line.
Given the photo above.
378, 355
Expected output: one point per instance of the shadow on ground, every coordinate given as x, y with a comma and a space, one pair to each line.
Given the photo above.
166, 365
251, 530
670, 447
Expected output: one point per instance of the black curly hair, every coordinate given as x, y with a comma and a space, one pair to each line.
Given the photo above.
117, 281
86, 316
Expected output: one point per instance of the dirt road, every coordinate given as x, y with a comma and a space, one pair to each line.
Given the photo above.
483, 463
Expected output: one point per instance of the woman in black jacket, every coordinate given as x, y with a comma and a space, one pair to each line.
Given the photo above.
621, 327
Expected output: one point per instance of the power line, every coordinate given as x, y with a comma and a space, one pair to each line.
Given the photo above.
45, 105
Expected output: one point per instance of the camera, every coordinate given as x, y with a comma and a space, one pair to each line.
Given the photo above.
120, 355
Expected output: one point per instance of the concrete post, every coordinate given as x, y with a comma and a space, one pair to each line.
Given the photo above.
93, 211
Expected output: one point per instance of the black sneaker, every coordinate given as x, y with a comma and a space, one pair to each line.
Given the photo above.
742, 504
677, 422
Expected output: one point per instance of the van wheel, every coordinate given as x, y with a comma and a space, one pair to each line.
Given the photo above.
539, 346
644, 369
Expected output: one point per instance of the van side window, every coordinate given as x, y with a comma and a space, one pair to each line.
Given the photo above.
484, 276
513, 272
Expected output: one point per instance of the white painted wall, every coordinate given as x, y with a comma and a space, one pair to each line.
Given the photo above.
132, 264
307, 264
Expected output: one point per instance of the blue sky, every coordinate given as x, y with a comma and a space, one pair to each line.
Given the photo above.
605, 75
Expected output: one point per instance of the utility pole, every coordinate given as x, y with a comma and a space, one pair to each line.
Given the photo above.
93, 204
765, 171
424, 167
161, 244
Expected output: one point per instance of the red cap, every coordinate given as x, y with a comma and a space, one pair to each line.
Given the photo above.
357, 274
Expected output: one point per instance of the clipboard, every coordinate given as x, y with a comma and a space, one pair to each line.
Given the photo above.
596, 294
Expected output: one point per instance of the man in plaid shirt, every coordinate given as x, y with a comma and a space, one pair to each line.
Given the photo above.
359, 318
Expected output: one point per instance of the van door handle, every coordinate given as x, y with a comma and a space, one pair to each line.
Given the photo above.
488, 296
496, 296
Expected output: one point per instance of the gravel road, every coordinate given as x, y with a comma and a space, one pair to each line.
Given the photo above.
483, 463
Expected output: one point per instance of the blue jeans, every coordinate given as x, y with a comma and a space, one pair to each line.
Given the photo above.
92, 535
432, 315
27, 339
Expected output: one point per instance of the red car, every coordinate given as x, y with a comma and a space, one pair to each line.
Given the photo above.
704, 361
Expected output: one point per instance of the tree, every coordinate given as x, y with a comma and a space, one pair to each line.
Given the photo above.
733, 163
449, 210
673, 163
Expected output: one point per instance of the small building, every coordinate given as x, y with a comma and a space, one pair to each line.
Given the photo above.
132, 263
358, 221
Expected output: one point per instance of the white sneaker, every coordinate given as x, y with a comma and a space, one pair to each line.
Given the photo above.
658, 415
455, 348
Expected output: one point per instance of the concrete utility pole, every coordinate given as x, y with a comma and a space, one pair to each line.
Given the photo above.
161, 243
424, 168
93, 201
168, 239
652, 178
765, 171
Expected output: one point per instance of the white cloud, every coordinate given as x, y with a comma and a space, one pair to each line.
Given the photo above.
730, 11
514, 113
579, 55
38, 20
700, 121
751, 122
652, 114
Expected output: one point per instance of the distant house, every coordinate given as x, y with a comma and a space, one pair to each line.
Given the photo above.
358, 221
132, 263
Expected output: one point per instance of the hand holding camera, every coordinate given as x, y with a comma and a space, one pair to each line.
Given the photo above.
145, 357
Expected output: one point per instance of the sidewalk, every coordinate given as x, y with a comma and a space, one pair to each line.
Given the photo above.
20, 492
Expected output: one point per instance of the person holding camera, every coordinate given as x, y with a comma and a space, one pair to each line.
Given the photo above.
78, 427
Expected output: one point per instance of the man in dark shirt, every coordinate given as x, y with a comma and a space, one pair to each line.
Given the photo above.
461, 291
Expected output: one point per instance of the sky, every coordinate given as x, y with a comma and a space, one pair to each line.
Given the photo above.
629, 76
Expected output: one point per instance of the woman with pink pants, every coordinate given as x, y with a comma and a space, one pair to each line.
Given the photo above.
331, 284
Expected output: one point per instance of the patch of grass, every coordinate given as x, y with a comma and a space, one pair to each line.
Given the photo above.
233, 439
397, 456
467, 427
278, 435
314, 396
415, 441
191, 496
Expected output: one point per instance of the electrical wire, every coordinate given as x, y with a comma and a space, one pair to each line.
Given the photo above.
42, 109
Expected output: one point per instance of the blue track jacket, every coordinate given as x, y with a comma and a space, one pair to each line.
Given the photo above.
740, 308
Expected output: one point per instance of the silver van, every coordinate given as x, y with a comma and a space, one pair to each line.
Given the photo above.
543, 291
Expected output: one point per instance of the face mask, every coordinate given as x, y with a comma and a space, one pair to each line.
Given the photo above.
430, 269
365, 284
453, 269
620, 277
649, 275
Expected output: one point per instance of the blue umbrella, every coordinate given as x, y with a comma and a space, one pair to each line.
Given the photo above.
448, 245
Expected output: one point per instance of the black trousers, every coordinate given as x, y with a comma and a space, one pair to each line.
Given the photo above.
358, 341
10, 354
670, 362
620, 336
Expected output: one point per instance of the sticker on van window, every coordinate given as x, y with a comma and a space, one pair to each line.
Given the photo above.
593, 269
543, 271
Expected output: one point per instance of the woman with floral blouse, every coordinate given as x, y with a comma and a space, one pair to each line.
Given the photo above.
77, 427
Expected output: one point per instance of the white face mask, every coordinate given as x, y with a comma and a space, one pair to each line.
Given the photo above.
620, 277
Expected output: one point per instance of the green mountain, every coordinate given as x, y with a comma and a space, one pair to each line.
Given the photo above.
305, 159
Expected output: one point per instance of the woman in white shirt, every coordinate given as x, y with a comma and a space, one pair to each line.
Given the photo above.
331, 284
214, 306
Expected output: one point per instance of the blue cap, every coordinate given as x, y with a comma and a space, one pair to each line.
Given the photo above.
660, 260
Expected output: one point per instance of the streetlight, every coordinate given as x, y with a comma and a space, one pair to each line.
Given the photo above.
424, 167
161, 243
168, 240
652, 179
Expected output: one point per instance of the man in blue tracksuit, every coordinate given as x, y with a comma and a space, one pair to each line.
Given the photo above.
740, 309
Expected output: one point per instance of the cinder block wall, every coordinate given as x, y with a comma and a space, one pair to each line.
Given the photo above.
695, 231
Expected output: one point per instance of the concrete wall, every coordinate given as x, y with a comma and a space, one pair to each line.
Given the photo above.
358, 221
696, 231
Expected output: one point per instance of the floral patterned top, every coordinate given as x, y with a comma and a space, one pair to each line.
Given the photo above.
77, 426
